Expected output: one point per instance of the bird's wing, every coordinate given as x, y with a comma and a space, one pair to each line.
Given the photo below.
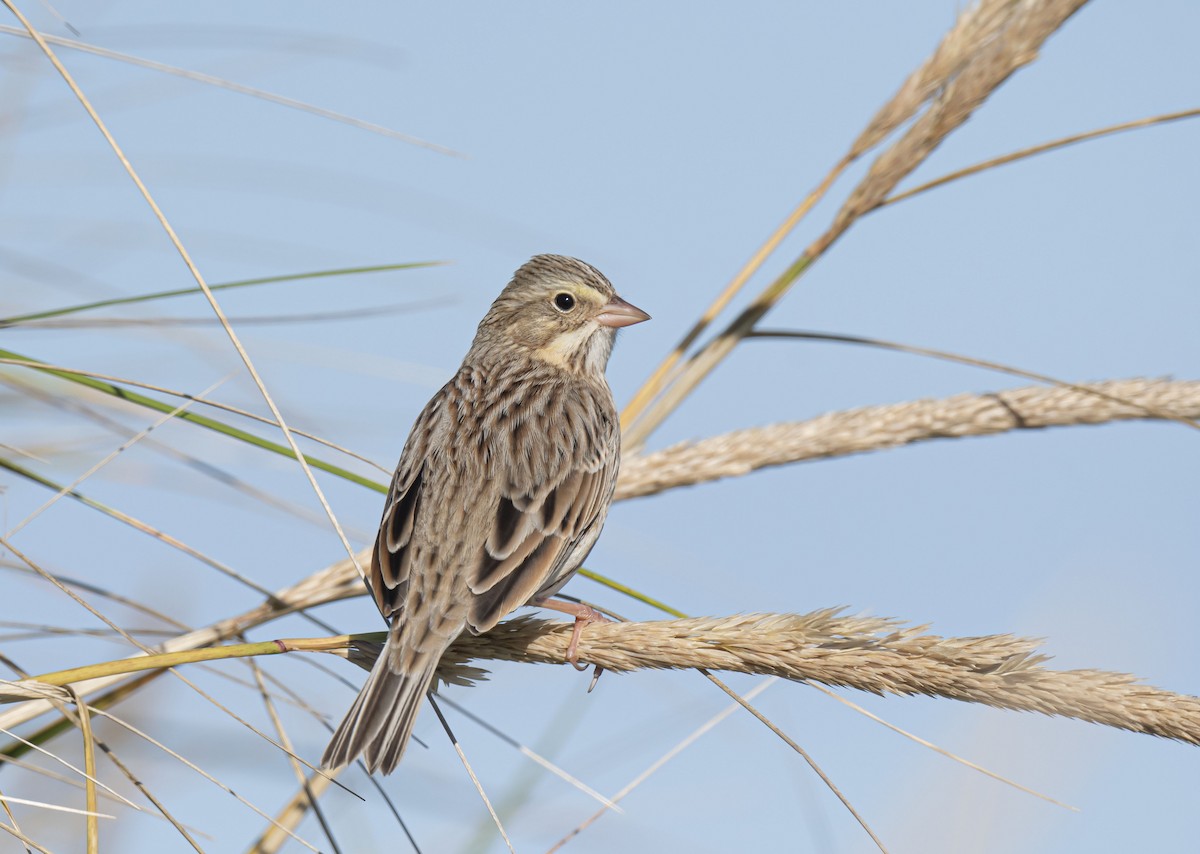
392, 558
542, 516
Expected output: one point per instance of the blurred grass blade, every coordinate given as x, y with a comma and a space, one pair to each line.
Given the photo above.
657, 764
241, 283
121, 722
825, 778
188, 261
91, 814
17, 749
126, 381
366, 313
231, 86
200, 420
89, 767
958, 358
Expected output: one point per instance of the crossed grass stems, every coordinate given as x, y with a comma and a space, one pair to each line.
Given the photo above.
988, 43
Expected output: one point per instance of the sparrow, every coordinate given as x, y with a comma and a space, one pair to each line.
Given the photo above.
500, 492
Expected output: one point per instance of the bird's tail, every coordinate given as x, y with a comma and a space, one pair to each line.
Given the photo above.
381, 720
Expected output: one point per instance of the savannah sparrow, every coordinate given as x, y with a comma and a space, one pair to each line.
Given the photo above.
500, 492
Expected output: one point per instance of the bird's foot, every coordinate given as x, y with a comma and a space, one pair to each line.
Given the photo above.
584, 616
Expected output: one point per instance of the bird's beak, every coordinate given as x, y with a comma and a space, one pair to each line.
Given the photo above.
617, 313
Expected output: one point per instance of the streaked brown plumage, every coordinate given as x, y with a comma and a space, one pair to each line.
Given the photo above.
500, 492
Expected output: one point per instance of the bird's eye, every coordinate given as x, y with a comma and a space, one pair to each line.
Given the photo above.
564, 302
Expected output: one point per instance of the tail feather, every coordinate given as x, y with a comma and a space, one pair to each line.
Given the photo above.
380, 722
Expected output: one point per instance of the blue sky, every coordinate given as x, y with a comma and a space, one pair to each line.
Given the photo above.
661, 144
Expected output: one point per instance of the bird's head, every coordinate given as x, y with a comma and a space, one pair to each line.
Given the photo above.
559, 310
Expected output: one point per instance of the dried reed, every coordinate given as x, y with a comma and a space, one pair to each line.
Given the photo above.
873, 428
990, 41
867, 653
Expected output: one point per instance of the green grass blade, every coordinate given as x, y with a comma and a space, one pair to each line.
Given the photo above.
202, 421
242, 283
613, 584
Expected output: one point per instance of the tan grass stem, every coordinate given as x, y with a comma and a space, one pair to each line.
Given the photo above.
866, 653
1041, 148
294, 811
874, 654
663, 374
974, 27
338, 581
990, 41
874, 428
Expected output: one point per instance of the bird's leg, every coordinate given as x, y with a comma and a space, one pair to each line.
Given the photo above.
584, 616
